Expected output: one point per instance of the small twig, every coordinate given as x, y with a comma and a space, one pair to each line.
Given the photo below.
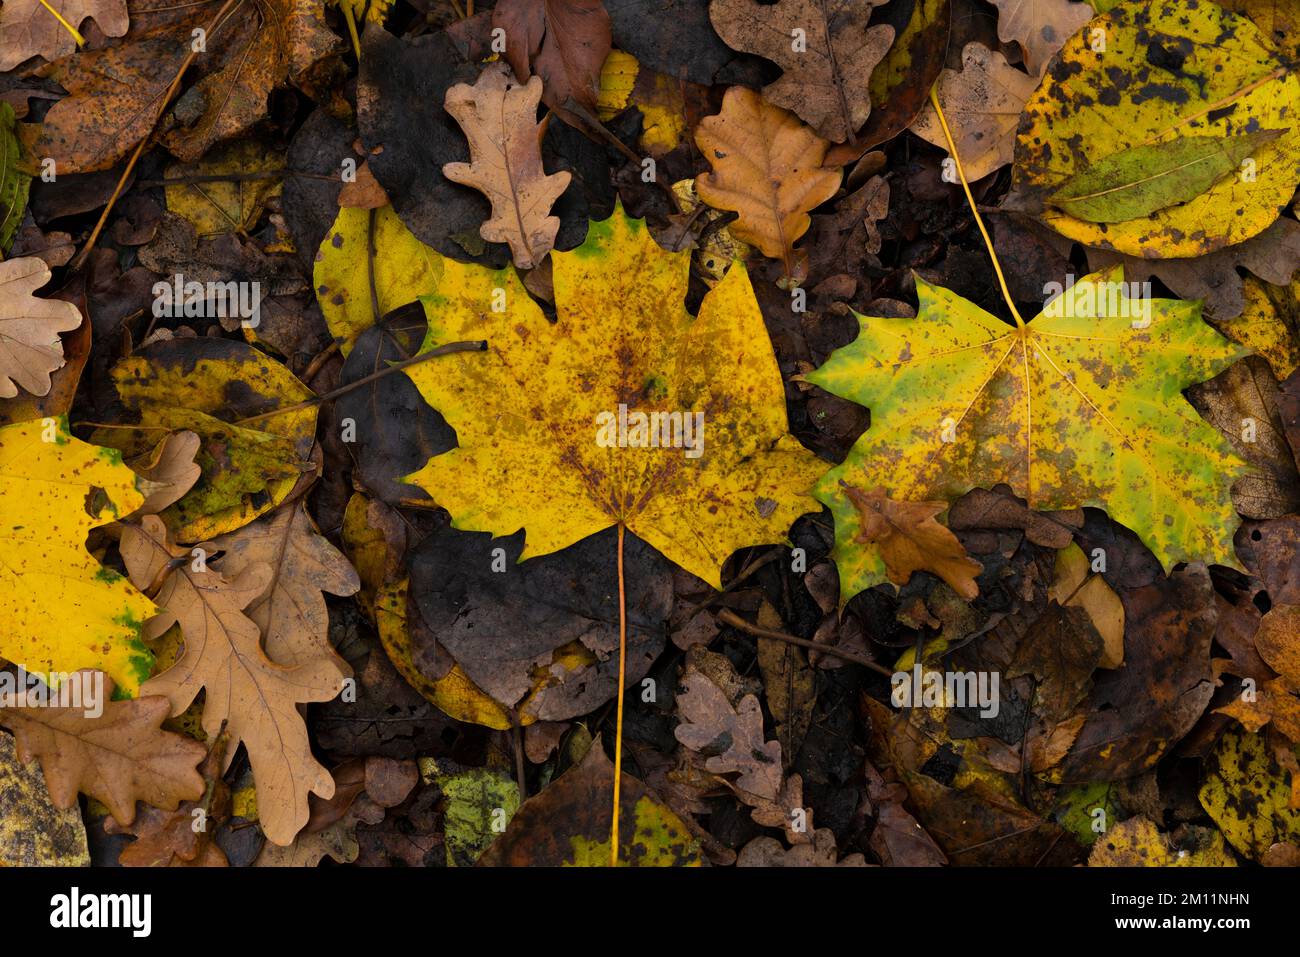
735, 621
517, 736
473, 346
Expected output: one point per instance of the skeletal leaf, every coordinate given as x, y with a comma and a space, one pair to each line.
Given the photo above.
119, 757
30, 348
1169, 71
826, 50
62, 610
982, 104
1144, 179
767, 166
255, 697
1081, 407
623, 345
499, 118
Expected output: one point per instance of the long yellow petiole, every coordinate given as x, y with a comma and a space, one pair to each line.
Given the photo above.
352, 29
618, 722
952, 151
81, 41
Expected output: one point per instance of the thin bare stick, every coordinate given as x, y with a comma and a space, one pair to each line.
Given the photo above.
735, 621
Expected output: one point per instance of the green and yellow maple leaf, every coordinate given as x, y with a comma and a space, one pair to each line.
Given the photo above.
527, 411
1081, 406
61, 610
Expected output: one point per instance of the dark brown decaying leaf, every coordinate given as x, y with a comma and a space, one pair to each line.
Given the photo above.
565, 42
824, 47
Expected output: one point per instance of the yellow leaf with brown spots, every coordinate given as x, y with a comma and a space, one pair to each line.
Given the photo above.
1169, 70
626, 410
1082, 406
61, 610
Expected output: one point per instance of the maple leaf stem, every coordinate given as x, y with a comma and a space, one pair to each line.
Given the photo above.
479, 345
970, 200
618, 720
352, 30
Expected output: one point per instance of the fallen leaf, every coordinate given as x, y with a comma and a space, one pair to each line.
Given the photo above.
1208, 73
253, 697
766, 166
619, 300
30, 348
826, 52
33, 832
28, 28
499, 120
910, 540
1041, 27
564, 42
118, 757
63, 610
1138, 843
982, 104
1067, 417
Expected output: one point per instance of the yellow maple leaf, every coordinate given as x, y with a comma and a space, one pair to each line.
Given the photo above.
540, 415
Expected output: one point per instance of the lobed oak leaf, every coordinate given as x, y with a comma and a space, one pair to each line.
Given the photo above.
1041, 27
499, 117
118, 757
767, 166
253, 697
909, 540
30, 348
28, 28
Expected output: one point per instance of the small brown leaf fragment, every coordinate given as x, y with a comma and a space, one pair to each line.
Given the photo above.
28, 28
168, 472
767, 166
118, 756
910, 540
499, 119
1041, 27
364, 192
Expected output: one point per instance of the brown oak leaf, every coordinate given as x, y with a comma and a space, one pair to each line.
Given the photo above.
499, 118
30, 348
565, 42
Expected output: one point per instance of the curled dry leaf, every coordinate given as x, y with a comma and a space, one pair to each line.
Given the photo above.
30, 348
825, 48
499, 117
910, 540
767, 166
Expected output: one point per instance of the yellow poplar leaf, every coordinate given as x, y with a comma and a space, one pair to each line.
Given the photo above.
61, 610
254, 697
404, 270
767, 166
540, 415
1138, 843
1083, 406
30, 348
1170, 69
499, 117
1247, 794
